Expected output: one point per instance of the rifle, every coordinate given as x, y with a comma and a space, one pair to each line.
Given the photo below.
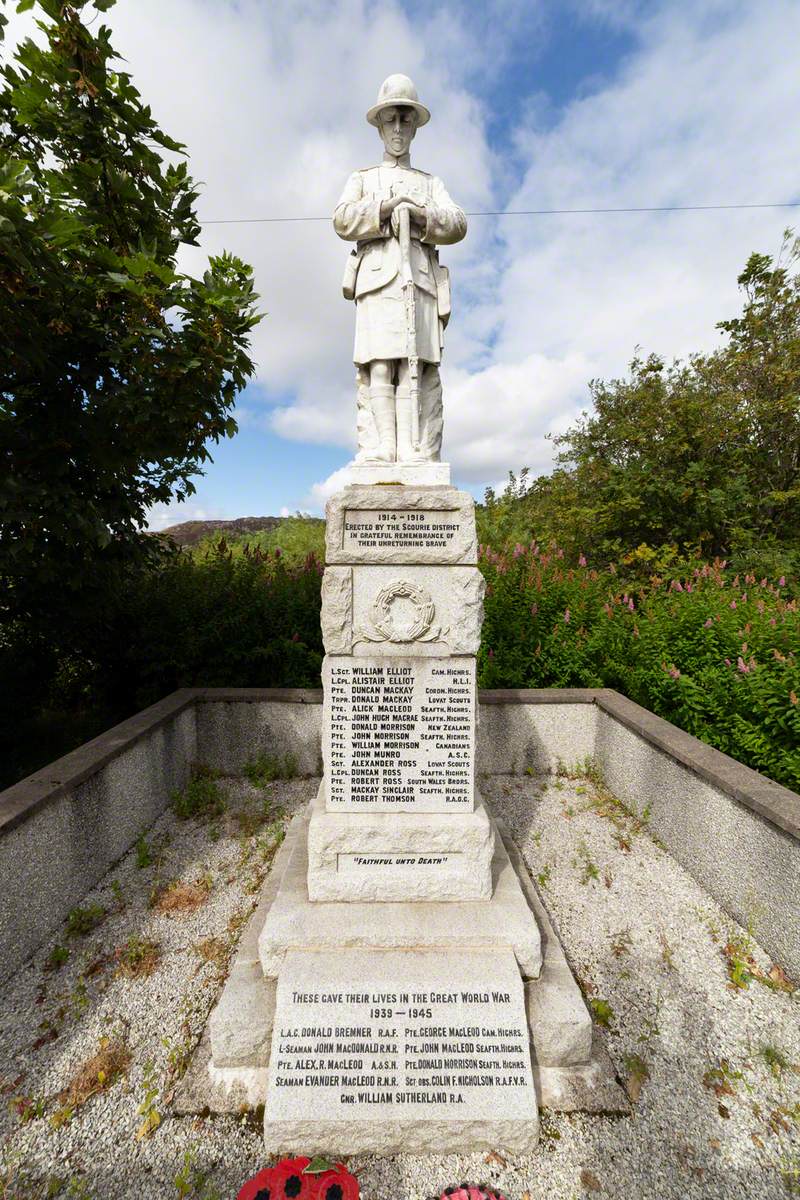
410, 301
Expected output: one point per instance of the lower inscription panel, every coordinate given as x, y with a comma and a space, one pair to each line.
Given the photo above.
417, 1039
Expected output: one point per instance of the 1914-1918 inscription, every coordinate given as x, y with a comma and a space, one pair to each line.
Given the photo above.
395, 530
401, 734
362, 1034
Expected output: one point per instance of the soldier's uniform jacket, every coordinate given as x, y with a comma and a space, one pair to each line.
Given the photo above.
376, 260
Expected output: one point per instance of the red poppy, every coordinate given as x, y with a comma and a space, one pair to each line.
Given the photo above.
290, 1182
336, 1184
260, 1187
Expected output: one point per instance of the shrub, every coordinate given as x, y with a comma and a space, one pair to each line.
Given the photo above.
713, 651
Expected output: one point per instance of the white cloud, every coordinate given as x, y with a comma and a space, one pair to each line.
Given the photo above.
270, 100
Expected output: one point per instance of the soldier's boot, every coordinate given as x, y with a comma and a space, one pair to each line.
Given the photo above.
405, 447
381, 398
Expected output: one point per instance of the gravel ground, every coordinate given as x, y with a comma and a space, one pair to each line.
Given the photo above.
714, 1069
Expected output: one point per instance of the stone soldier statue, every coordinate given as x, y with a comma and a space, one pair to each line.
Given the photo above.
398, 216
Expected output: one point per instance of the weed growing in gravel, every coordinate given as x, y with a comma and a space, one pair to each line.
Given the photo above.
179, 1053
138, 958
56, 958
602, 1012
776, 1060
666, 952
622, 943
144, 854
201, 798
743, 968
215, 951
543, 878
651, 1028
148, 1109
590, 869
110, 1061
79, 999
191, 1182
790, 1173
638, 1074
28, 1108
549, 1133
177, 897
81, 921
266, 768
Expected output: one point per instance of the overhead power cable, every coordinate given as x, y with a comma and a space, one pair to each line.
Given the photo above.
532, 212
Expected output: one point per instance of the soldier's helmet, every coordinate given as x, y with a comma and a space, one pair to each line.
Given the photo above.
395, 91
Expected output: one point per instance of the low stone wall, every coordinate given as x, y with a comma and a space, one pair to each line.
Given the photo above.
735, 831
62, 828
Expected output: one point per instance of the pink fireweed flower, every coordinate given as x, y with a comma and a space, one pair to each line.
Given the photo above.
744, 597
763, 583
559, 553
491, 654
792, 697
782, 581
708, 623
728, 662
674, 672
742, 665
566, 616
630, 604
534, 609
518, 549
772, 622
733, 604
689, 587
582, 560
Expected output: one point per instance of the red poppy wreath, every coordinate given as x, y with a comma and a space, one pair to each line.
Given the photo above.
301, 1179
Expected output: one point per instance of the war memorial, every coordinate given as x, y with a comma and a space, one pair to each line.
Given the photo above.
403, 956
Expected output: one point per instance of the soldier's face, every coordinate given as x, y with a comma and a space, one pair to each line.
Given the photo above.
397, 128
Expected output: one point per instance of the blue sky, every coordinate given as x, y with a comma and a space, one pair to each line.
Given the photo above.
536, 104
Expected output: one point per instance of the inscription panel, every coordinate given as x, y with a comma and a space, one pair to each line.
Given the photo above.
399, 734
371, 529
388, 863
382, 1035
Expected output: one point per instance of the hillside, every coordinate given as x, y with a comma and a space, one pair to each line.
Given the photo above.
189, 533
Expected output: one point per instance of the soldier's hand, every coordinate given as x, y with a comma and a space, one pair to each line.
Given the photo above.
415, 211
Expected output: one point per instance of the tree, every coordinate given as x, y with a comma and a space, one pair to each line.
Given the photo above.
116, 368
703, 455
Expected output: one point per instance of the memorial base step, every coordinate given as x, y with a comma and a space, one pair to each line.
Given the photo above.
571, 1069
405, 857
406, 473
295, 922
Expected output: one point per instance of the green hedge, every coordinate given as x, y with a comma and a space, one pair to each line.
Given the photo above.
712, 651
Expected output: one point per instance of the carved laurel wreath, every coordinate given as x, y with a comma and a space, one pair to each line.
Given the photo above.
380, 626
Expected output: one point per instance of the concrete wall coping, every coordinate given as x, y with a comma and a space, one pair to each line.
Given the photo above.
777, 804
22, 799
770, 800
